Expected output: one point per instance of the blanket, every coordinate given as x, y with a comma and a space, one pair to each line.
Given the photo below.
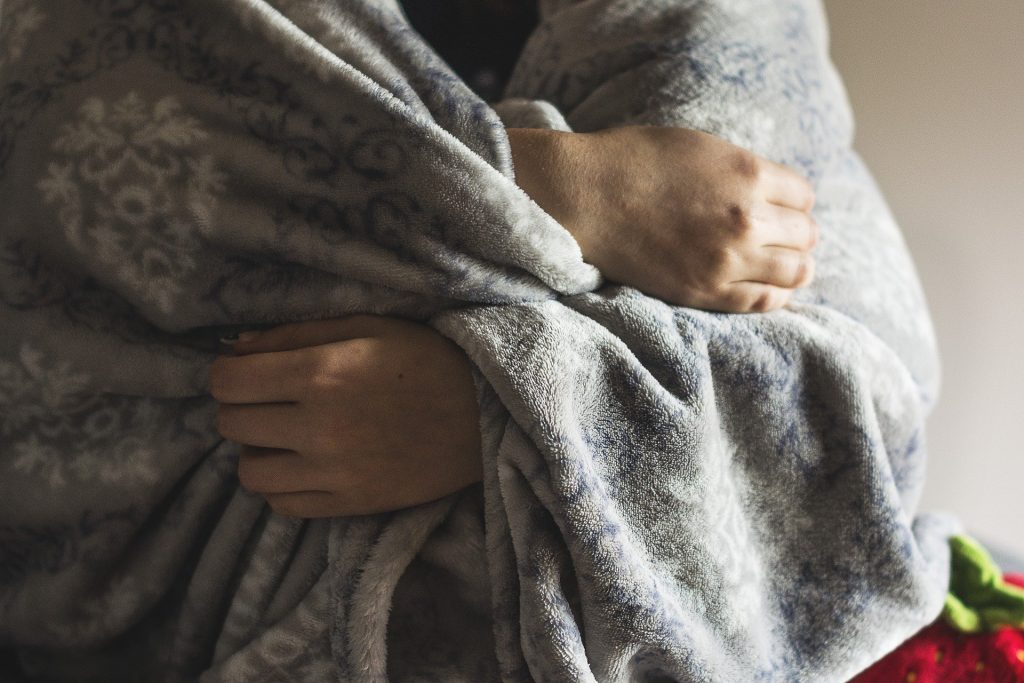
668, 493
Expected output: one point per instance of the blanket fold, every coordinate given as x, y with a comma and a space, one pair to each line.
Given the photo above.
668, 494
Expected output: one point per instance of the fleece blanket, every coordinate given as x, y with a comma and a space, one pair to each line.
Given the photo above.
669, 494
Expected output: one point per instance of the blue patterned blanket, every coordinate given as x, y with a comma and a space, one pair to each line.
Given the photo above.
669, 494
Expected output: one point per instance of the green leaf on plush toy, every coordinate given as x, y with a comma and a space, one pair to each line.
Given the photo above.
979, 600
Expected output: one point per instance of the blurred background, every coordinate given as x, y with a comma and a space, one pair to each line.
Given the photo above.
937, 88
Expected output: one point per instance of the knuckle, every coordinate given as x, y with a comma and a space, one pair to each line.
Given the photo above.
721, 290
739, 219
770, 299
366, 352
747, 165
321, 382
321, 368
719, 263
330, 368
762, 303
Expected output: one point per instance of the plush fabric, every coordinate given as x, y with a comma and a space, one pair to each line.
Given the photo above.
668, 494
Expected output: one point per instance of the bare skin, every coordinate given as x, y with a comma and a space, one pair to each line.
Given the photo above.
368, 413
681, 215
352, 416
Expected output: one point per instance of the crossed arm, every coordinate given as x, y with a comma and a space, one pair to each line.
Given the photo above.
367, 413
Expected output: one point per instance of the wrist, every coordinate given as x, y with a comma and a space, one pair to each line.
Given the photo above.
548, 167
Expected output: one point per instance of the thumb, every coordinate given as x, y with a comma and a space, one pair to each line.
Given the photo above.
310, 333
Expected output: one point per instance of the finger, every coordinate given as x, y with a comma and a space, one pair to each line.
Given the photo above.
753, 297
786, 268
779, 226
306, 504
262, 378
268, 470
785, 187
267, 425
312, 333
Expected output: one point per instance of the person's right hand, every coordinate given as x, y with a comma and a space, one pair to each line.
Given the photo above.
681, 215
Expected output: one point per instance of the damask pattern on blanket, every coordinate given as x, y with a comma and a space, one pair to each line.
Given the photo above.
114, 183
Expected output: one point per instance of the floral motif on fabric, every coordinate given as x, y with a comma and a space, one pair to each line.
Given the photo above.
46, 405
133, 189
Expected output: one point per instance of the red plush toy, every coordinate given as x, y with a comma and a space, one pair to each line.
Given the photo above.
941, 653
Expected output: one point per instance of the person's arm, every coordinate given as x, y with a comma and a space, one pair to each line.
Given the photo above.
351, 416
681, 215
368, 413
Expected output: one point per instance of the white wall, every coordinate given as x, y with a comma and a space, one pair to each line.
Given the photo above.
937, 88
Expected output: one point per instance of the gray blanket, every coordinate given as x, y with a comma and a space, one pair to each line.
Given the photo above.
669, 494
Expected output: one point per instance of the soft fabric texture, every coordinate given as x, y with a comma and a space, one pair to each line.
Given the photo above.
669, 494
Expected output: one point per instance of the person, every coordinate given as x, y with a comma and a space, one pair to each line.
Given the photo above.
368, 413
371, 414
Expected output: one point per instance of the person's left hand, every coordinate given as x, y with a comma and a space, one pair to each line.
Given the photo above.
352, 416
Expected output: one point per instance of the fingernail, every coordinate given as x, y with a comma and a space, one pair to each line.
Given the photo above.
248, 336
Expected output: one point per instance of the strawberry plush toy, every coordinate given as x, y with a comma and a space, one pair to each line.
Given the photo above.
978, 639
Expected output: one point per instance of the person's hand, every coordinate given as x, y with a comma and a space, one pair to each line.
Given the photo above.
681, 215
352, 416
